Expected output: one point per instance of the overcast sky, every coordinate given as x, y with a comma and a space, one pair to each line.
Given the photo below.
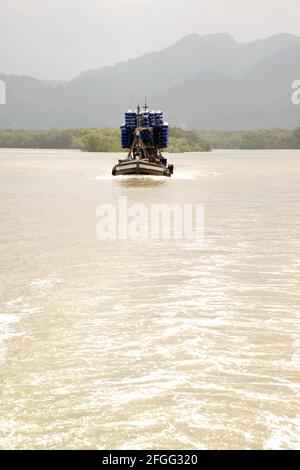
58, 39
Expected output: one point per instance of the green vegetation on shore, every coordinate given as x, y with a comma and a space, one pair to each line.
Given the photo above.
258, 139
108, 140
93, 140
38, 139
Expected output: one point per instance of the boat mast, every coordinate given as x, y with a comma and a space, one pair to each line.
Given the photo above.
138, 129
138, 147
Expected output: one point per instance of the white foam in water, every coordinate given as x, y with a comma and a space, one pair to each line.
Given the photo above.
46, 282
6, 320
12, 303
283, 436
183, 172
181, 175
105, 177
128, 177
2, 352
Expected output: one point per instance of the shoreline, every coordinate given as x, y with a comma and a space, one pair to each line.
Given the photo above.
181, 141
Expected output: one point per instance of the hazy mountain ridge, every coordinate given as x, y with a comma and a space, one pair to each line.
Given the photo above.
200, 81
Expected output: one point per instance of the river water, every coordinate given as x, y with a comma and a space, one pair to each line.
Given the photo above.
150, 344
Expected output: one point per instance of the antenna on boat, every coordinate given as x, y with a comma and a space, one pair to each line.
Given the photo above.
146, 106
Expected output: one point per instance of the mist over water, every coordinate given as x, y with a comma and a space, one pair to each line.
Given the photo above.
149, 344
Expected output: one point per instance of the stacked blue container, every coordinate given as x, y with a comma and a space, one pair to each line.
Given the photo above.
127, 129
130, 118
145, 119
158, 118
162, 135
152, 119
126, 136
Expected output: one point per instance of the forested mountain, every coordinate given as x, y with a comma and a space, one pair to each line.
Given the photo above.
200, 82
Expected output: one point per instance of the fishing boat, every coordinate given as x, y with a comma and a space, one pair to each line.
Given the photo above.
144, 134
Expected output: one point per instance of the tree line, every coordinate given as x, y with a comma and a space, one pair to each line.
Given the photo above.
257, 139
108, 140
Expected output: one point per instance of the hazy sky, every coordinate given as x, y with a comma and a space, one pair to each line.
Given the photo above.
57, 39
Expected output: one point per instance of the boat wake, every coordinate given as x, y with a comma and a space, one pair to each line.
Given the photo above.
180, 175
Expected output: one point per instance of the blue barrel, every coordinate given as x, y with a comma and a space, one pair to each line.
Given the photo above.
146, 137
145, 119
152, 118
163, 135
127, 136
130, 118
159, 118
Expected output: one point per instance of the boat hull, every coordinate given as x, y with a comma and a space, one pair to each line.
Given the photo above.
140, 167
